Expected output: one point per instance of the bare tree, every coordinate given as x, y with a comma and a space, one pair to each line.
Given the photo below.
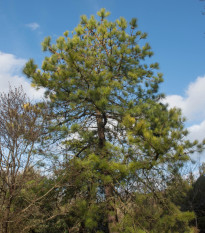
20, 128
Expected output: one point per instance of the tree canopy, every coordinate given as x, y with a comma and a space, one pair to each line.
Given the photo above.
118, 142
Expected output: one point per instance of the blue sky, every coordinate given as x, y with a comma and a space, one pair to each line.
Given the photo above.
176, 33
175, 28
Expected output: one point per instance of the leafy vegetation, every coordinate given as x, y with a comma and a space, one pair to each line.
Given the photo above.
114, 151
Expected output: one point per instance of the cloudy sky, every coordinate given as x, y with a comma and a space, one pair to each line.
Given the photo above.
176, 33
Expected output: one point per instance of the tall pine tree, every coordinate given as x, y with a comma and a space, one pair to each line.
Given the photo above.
117, 137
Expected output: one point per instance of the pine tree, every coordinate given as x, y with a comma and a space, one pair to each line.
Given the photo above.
116, 134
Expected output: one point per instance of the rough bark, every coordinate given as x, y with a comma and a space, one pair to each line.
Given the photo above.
111, 214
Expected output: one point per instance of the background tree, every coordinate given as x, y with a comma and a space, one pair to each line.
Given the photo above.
20, 128
194, 200
116, 137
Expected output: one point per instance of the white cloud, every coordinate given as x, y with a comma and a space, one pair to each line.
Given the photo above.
33, 26
197, 131
193, 108
193, 104
11, 74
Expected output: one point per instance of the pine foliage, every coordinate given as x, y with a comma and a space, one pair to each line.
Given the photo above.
119, 142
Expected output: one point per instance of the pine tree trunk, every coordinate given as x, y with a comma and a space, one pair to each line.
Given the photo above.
111, 216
